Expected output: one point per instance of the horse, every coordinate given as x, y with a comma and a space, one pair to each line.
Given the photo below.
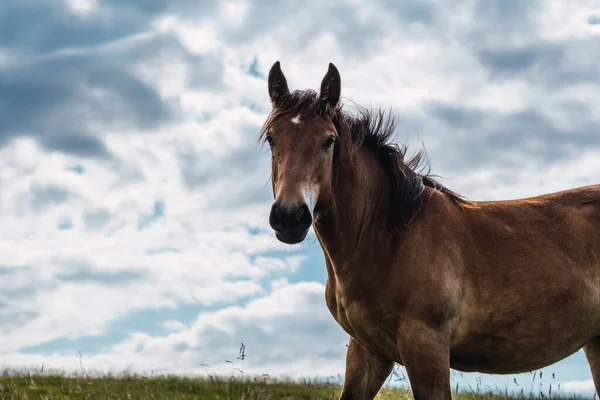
417, 274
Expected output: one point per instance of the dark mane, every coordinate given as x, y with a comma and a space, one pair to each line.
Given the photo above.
374, 131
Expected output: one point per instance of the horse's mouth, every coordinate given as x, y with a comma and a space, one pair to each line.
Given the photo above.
291, 235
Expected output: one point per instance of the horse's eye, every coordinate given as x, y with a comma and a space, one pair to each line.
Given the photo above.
270, 141
329, 142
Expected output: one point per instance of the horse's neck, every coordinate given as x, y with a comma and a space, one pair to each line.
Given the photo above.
356, 221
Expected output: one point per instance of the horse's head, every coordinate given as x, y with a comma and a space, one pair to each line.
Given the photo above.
302, 136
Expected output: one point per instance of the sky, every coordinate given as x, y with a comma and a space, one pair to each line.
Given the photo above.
134, 195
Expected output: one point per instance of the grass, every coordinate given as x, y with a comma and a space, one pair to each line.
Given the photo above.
160, 387
28, 386
25, 385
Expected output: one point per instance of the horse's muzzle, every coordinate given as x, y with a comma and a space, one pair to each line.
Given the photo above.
290, 221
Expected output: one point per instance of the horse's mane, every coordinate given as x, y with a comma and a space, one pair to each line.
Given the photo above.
374, 131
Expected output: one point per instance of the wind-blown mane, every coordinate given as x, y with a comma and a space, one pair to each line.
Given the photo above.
372, 131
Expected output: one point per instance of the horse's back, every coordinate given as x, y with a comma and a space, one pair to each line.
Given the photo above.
564, 226
530, 272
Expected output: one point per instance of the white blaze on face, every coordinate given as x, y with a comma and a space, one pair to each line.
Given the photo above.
296, 119
310, 193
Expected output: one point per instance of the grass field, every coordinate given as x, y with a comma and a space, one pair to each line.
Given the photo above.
56, 386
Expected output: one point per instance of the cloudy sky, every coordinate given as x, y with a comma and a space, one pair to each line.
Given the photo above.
134, 196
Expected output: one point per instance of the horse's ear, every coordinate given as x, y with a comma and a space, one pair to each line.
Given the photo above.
278, 87
331, 87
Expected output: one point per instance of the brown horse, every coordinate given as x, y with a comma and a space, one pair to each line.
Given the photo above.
418, 275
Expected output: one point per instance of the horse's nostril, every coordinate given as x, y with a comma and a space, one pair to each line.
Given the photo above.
275, 218
303, 215
299, 213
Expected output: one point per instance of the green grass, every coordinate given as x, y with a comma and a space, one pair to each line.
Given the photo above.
159, 387
81, 386
43, 384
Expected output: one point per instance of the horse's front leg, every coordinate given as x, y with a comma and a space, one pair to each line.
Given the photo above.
365, 373
425, 354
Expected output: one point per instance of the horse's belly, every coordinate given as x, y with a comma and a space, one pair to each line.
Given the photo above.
501, 356
519, 329
521, 342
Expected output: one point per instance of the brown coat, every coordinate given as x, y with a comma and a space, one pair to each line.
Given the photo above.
417, 275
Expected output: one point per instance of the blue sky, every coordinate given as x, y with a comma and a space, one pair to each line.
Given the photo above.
134, 196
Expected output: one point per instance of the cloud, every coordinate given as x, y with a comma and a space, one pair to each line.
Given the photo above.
582, 386
554, 64
95, 219
512, 59
273, 328
77, 81
502, 137
134, 196
40, 197
184, 253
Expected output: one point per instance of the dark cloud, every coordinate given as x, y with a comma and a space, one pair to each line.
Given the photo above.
80, 145
504, 36
413, 11
105, 277
41, 197
152, 8
517, 59
511, 20
39, 27
473, 138
66, 88
514, 12
552, 65
96, 219
50, 97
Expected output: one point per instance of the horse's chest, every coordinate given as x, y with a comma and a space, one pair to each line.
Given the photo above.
352, 316
357, 317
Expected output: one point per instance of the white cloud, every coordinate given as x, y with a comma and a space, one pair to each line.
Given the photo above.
82, 7
173, 325
211, 262
503, 97
559, 20
583, 386
273, 328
